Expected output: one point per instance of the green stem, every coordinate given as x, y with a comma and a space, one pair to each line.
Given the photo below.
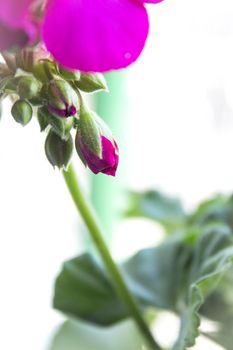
91, 222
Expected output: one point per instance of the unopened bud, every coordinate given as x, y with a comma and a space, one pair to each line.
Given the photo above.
29, 87
91, 82
95, 144
45, 70
69, 74
28, 57
22, 112
62, 99
58, 151
61, 126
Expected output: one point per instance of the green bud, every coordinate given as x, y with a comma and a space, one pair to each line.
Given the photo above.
91, 82
28, 87
42, 118
45, 70
58, 151
61, 126
62, 99
22, 112
69, 74
90, 131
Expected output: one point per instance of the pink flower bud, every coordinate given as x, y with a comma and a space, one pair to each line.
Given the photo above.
107, 162
95, 145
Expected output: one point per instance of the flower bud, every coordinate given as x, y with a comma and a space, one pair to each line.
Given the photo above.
45, 70
62, 100
95, 144
58, 151
28, 87
61, 126
22, 112
69, 74
28, 57
91, 82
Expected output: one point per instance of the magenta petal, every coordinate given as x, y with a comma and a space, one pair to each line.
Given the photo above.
107, 163
95, 35
150, 1
14, 12
15, 25
10, 37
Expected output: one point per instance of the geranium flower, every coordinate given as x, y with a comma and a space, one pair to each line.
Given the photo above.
96, 35
88, 35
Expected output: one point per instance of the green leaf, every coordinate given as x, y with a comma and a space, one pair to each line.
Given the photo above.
157, 206
74, 335
177, 276
83, 290
212, 257
215, 210
219, 308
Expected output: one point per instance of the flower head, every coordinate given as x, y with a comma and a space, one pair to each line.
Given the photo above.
88, 35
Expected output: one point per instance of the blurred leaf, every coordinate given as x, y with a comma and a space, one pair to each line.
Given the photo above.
219, 308
215, 210
155, 275
176, 276
83, 290
154, 205
79, 336
212, 257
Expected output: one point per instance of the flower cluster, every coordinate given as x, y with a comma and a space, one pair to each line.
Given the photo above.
53, 93
88, 35
52, 50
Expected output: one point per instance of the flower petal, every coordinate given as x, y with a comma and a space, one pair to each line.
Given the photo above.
95, 35
150, 1
14, 12
10, 37
15, 25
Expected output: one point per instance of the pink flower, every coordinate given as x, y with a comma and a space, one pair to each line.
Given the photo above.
16, 27
96, 35
88, 35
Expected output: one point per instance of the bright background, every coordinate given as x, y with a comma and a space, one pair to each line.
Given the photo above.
179, 139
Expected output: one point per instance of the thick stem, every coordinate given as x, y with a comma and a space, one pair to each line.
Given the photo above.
95, 231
